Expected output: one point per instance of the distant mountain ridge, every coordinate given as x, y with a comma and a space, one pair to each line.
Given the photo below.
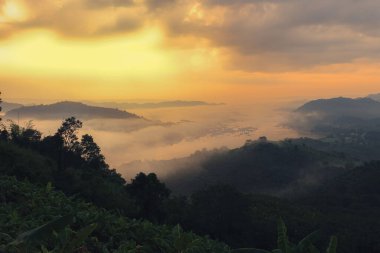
66, 109
375, 96
7, 106
165, 168
274, 168
152, 105
337, 116
343, 107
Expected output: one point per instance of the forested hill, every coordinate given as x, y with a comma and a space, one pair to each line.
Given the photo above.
154, 105
336, 117
73, 226
57, 194
375, 96
343, 107
67, 109
62, 183
276, 168
6, 106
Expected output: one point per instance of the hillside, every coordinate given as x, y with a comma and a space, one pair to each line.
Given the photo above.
343, 118
6, 106
34, 171
375, 96
67, 109
76, 226
30, 211
165, 168
356, 189
343, 107
280, 169
153, 105
352, 200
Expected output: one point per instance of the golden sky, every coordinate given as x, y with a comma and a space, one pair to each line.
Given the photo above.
217, 50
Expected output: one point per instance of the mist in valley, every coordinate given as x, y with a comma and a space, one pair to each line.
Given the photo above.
134, 145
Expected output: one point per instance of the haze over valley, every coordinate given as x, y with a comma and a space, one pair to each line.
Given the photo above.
163, 133
165, 139
189, 126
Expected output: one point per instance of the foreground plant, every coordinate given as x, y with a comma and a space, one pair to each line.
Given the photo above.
47, 217
66, 240
284, 246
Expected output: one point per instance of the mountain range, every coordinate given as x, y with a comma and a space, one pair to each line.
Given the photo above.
343, 107
6, 106
375, 96
153, 105
337, 116
67, 109
275, 168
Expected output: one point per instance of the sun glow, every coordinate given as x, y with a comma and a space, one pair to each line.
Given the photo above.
12, 11
40, 52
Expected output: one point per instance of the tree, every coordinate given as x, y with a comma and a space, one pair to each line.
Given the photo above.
24, 135
1, 101
3, 131
91, 153
149, 194
306, 245
89, 149
4, 135
68, 133
31, 135
222, 212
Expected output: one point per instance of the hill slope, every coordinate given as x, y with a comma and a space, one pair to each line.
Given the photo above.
374, 96
337, 116
343, 107
153, 105
348, 206
6, 106
357, 189
277, 169
67, 109
25, 207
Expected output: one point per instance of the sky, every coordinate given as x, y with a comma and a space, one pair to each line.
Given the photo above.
215, 50
258, 57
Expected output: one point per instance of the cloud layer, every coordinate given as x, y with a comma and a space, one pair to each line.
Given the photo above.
256, 35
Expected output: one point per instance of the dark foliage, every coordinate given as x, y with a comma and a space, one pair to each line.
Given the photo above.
345, 202
279, 169
36, 218
150, 195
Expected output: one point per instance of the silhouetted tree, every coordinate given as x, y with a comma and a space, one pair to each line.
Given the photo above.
4, 135
222, 212
91, 152
68, 133
149, 194
3, 132
24, 135
89, 149
1, 108
31, 135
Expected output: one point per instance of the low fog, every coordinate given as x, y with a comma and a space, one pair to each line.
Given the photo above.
133, 145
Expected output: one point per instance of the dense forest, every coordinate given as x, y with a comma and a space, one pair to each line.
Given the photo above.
58, 194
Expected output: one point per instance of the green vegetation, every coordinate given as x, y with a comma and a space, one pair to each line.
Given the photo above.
284, 246
1, 108
40, 219
64, 179
275, 168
